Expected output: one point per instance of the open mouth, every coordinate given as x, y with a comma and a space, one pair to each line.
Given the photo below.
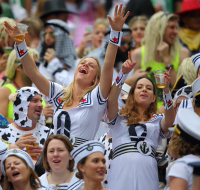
15, 174
101, 172
82, 70
56, 161
144, 95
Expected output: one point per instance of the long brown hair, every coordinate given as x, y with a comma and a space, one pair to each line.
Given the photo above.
130, 110
33, 178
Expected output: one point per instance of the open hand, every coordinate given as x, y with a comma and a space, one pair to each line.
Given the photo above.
128, 65
167, 80
119, 18
49, 55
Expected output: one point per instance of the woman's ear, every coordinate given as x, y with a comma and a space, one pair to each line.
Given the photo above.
80, 167
154, 98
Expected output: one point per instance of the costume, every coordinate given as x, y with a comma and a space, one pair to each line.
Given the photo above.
11, 134
130, 160
74, 184
82, 122
180, 169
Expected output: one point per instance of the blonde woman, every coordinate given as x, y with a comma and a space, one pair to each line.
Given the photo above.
79, 107
161, 48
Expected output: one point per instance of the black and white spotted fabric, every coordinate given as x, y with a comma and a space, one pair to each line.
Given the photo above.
185, 91
21, 104
108, 156
11, 134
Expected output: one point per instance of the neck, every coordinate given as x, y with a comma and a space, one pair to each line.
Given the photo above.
20, 82
24, 128
61, 177
141, 110
91, 185
78, 91
21, 185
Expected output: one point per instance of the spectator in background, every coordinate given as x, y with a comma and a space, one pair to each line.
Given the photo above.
93, 37
57, 51
39, 8
161, 48
138, 24
85, 14
33, 36
189, 25
6, 10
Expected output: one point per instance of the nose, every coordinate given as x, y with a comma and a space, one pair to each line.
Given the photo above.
176, 31
55, 153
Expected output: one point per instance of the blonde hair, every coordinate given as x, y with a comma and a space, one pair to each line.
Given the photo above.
3, 33
99, 21
142, 19
188, 70
39, 8
68, 91
154, 35
13, 62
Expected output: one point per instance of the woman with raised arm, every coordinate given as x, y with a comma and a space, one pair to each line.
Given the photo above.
136, 132
79, 107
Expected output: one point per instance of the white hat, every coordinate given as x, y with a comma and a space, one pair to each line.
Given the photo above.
196, 87
86, 149
196, 60
20, 153
185, 91
3, 148
188, 126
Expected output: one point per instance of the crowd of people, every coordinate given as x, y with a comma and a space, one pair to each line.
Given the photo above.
81, 104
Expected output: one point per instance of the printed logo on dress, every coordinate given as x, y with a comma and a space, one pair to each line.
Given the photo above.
144, 148
15, 151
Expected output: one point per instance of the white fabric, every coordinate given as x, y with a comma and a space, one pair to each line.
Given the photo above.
12, 134
21, 49
196, 60
3, 148
85, 118
196, 87
180, 169
141, 170
74, 184
116, 37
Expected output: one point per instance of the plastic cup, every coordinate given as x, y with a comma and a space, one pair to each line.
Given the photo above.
23, 28
160, 78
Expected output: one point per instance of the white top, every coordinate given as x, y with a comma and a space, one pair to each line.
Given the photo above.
85, 118
74, 184
141, 170
180, 169
11, 134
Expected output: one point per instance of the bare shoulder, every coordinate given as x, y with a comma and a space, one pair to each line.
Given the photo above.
136, 56
4, 92
184, 53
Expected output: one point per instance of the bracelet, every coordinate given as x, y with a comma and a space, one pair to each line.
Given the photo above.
167, 101
120, 79
115, 37
21, 49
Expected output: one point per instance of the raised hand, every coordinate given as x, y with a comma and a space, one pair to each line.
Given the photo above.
119, 18
167, 80
128, 65
11, 30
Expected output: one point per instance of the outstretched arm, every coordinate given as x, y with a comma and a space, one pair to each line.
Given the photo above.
107, 70
28, 63
127, 66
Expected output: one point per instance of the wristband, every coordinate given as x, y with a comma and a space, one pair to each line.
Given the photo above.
115, 37
120, 79
167, 101
21, 49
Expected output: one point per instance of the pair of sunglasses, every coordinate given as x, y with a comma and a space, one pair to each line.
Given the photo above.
50, 33
125, 42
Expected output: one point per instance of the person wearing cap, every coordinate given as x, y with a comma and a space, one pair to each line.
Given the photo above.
189, 31
26, 127
91, 164
184, 146
196, 175
18, 170
78, 107
161, 48
56, 51
136, 131
196, 62
59, 165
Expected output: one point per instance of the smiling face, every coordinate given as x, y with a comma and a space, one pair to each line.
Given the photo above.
16, 170
94, 167
171, 32
58, 155
144, 92
99, 34
86, 71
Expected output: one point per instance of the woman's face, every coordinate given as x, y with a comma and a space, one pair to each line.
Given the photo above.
143, 94
58, 155
125, 43
86, 71
16, 170
94, 167
138, 30
99, 34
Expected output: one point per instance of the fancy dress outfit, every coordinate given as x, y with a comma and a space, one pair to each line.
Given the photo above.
134, 166
79, 123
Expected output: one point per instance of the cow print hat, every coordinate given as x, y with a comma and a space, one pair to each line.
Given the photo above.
185, 91
21, 100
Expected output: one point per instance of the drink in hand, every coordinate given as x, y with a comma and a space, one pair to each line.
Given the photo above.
160, 78
19, 37
28, 149
161, 85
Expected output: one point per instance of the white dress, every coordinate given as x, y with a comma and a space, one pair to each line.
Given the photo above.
133, 170
180, 169
84, 119
74, 184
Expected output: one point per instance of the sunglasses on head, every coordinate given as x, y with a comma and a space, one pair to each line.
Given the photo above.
50, 33
36, 62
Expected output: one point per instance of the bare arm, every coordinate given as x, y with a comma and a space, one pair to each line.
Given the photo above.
28, 63
178, 184
107, 70
184, 53
4, 93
